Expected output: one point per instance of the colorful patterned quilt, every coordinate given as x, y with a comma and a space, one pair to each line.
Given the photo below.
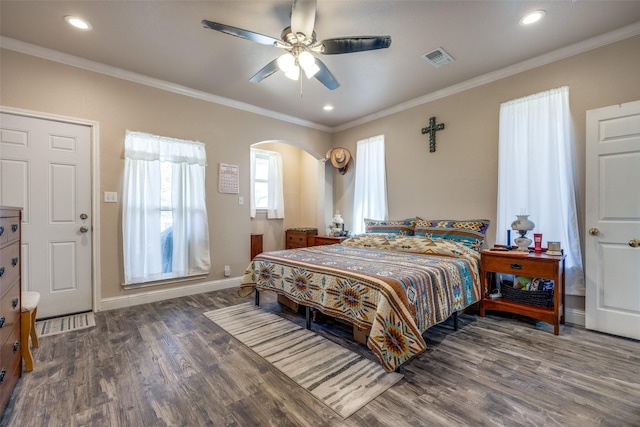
397, 286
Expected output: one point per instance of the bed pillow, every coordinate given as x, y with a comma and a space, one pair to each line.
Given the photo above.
413, 244
390, 226
389, 242
470, 233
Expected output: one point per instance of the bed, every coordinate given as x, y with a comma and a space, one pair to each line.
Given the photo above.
398, 285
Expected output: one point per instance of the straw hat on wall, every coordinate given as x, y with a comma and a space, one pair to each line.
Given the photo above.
340, 158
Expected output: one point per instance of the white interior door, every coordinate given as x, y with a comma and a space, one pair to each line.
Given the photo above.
613, 220
45, 168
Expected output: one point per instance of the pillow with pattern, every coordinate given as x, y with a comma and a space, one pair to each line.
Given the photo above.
389, 242
470, 233
413, 244
390, 226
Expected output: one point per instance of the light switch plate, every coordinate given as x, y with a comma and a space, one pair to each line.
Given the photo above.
110, 197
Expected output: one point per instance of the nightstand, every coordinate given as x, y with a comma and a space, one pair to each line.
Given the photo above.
532, 264
329, 240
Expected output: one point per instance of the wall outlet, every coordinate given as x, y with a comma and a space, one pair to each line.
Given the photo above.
227, 271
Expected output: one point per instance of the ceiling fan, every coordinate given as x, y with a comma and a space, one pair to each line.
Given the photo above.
299, 40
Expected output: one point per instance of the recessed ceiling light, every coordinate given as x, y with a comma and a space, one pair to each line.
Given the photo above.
77, 22
327, 107
532, 17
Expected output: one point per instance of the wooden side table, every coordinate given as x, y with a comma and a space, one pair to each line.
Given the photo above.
329, 240
256, 245
537, 265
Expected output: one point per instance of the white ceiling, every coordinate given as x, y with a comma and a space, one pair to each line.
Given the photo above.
165, 40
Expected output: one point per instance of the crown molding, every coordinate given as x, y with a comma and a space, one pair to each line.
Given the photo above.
556, 55
98, 67
550, 57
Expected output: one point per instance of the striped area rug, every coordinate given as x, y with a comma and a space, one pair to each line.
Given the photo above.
59, 325
340, 378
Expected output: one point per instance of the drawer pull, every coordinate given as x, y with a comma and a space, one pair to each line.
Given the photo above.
16, 346
516, 266
14, 261
1, 271
2, 320
1, 231
14, 228
15, 302
3, 373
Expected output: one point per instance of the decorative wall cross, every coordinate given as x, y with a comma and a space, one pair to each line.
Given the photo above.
431, 130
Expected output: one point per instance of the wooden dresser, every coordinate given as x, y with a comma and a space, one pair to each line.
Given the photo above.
300, 237
10, 298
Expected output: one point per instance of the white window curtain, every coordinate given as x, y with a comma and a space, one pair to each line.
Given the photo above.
536, 175
370, 189
275, 199
141, 201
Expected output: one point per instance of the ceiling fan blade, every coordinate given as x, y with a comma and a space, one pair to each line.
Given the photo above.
239, 32
265, 72
303, 17
325, 77
354, 44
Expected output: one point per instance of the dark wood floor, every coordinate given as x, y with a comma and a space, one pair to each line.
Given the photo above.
165, 364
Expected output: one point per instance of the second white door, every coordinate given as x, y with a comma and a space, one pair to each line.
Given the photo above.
612, 242
45, 168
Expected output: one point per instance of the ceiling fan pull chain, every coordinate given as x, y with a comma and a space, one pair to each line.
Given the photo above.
300, 78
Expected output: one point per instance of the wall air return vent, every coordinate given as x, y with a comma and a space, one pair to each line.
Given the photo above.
438, 57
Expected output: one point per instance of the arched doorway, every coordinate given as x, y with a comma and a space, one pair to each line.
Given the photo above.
308, 193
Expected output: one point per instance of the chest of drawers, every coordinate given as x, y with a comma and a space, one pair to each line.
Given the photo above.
300, 237
10, 298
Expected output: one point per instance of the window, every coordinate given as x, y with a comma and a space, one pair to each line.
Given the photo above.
370, 189
165, 225
266, 183
536, 174
261, 180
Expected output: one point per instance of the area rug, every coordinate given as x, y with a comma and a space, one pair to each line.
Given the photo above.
59, 325
340, 378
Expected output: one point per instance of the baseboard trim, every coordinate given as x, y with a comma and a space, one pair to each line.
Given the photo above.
575, 317
124, 301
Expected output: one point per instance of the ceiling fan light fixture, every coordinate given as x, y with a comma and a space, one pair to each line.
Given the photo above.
286, 62
293, 73
312, 70
306, 60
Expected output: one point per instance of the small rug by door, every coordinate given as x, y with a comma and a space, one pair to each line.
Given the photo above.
340, 378
59, 325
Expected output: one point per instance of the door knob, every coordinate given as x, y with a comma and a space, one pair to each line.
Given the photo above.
634, 243
83, 229
594, 231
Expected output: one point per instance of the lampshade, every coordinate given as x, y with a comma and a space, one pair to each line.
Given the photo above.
311, 70
305, 59
337, 219
522, 223
286, 62
293, 73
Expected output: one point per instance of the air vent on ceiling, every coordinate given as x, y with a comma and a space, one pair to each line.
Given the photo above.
438, 57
